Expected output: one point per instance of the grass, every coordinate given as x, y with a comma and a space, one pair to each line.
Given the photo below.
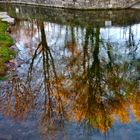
5, 52
3, 27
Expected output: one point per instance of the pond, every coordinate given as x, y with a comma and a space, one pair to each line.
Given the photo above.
76, 75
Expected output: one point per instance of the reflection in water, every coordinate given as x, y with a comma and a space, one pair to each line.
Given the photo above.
66, 74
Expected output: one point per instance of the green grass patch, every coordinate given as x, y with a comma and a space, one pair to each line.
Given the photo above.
5, 52
3, 27
5, 40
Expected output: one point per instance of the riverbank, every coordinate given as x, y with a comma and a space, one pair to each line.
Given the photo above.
79, 4
6, 42
102, 18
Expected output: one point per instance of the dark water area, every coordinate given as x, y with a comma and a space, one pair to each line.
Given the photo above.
76, 75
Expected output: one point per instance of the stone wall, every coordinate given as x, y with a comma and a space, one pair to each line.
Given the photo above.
80, 4
101, 18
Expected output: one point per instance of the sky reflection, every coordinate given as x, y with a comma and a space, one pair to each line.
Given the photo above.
73, 82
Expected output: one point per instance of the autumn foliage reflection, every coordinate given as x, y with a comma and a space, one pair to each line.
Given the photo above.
102, 89
16, 101
91, 89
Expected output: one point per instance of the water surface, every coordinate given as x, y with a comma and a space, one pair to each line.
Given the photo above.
75, 77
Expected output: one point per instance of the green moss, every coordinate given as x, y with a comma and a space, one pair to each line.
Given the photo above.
3, 27
5, 40
5, 52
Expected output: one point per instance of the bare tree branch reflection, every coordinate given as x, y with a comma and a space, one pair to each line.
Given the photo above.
89, 84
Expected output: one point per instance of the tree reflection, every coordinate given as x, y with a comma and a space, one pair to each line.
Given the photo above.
52, 114
101, 88
94, 87
17, 100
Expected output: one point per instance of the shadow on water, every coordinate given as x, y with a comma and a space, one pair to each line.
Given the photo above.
100, 18
73, 82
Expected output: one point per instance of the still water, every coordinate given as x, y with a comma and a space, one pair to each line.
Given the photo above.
75, 77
